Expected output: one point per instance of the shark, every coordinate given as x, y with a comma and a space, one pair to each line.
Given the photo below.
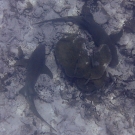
35, 66
87, 22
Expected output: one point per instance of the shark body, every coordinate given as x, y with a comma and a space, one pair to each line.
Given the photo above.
35, 66
86, 21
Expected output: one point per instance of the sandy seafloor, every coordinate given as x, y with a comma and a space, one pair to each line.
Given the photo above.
114, 116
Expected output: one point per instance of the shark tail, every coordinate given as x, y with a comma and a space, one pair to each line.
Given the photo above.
35, 112
74, 19
30, 98
22, 91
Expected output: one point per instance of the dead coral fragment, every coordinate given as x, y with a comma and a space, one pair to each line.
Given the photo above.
129, 26
91, 86
100, 61
28, 8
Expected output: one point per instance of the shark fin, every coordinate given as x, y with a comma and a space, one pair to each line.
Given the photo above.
23, 63
74, 19
22, 91
47, 71
116, 37
20, 53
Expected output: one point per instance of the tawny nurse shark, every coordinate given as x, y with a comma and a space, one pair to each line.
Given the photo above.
35, 66
86, 22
